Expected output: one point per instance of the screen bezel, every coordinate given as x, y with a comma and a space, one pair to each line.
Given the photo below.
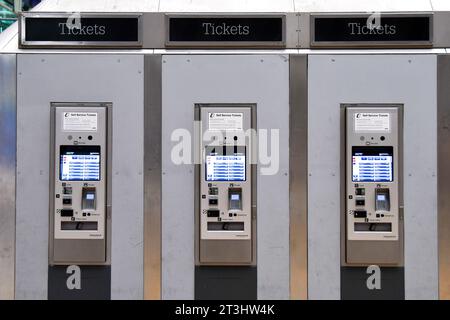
226, 151
373, 151
79, 150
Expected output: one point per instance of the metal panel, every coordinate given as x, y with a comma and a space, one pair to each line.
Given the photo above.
212, 44
7, 174
195, 80
74, 44
303, 30
152, 177
443, 117
407, 79
73, 78
442, 29
298, 90
156, 22
314, 43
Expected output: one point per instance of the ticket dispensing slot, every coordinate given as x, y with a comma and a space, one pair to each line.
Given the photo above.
225, 191
372, 185
88, 196
78, 213
382, 201
234, 199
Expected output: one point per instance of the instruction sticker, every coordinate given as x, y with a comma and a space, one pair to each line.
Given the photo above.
225, 121
79, 121
372, 121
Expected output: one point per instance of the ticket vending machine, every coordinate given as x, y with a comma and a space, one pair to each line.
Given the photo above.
78, 214
226, 206
373, 190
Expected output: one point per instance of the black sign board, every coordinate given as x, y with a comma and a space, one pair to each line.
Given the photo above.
237, 31
87, 30
365, 30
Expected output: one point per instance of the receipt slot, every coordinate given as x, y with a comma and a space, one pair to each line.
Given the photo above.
373, 185
225, 186
79, 188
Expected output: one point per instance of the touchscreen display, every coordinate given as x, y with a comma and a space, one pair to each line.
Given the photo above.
79, 163
225, 164
372, 164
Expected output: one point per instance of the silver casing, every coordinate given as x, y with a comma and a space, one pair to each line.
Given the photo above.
209, 44
225, 247
78, 246
369, 244
74, 44
370, 44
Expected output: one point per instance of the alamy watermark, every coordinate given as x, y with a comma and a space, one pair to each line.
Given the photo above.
263, 146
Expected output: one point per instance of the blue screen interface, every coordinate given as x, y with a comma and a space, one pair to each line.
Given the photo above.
80, 163
372, 164
223, 166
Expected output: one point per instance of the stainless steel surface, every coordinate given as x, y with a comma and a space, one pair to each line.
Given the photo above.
442, 28
359, 44
303, 30
23, 43
7, 174
154, 30
152, 177
443, 118
293, 31
298, 160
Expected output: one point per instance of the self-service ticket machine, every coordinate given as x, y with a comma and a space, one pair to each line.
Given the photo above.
79, 200
373, 192
225, 185
226, 205
78, 214
225, 176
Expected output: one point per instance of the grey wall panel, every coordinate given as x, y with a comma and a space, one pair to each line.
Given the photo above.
7, 173
407, 79
127, 189
177, 208
79, 78
188, 80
